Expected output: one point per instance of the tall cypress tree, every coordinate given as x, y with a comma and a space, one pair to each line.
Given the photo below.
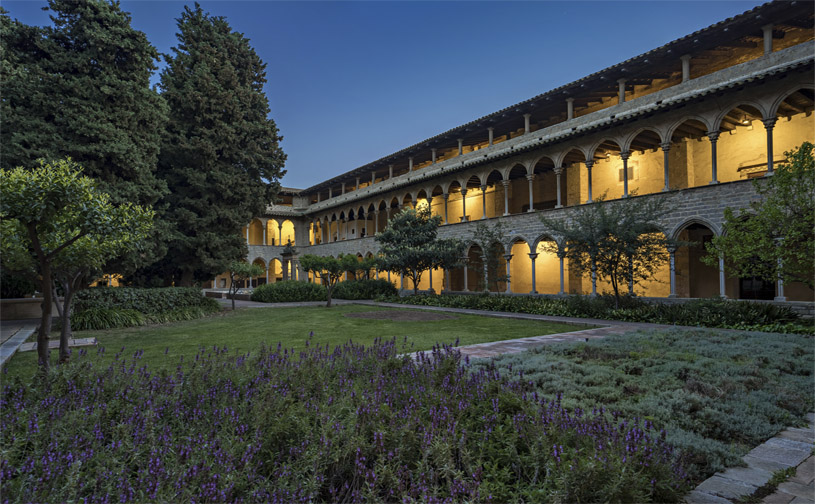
81, 89
221, 156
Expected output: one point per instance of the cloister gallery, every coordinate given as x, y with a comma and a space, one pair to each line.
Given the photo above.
693, 121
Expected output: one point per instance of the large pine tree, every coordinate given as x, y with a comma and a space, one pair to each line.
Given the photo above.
81, 89
221, 156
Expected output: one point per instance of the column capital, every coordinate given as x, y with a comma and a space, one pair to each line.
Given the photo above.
505, 183
508, 257
490, 128
376, 212
713, 135
769, 123
558, 170
483, 187
464, 192
570, 100
530, 177
561, 254
533, 256
665, 146
672, 249
445, 196
589, 163
625, 155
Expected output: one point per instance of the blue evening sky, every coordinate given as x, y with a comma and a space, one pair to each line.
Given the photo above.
350, 82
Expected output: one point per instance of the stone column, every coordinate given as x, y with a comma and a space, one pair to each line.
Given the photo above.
401, 281
318, 197
526, 123
373, 177
483, 201
666, 147
356, 188
280, 234
390, 171
447, 280
491, 131
247, 233
722, 291
558, 170
330, 193
530, 179
464, 205
780, 284
429, 200
562, 255
505, 183
388, 214
433, 155
376, 221
508, 258
532, 258
430, 278
445, 197
465, 275
714, 137
410, 164
768, 38
460, 146
672, 254
569, 109
685, 67
624, 156
769, 124
621, 91
589, 164
343, 188
344, 228
264, 233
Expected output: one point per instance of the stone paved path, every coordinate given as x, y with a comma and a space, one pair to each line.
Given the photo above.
14, 333
54, 343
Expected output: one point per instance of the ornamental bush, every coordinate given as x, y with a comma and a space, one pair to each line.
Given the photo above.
364, 289
699, 312
352, 424
289, 291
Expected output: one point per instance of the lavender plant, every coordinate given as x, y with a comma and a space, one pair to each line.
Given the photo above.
351, 424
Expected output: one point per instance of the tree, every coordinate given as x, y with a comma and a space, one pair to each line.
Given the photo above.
618, 241
329, 269
362, 269
81, 89
240, 271
220, 157
775, 237
409, 245
57, 220
488, 238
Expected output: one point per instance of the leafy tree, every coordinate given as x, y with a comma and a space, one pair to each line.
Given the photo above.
240, 271
221, 156
618, 240
488, 238
410, 245
362, 269
81, 89
55, 221
329, 269
775, 237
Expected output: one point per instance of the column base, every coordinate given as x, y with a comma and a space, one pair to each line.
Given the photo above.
671, 296
666, 189
506, 213
713, 182
558, 206
769, 173
780, 298
530, 210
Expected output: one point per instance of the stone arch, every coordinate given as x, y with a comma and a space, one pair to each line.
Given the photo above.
605, 146
520, 265
260, 279
694, 278
776, 104
646, 162
671, 132
651, 135
696, 220
723, 118
256, 232
742, 141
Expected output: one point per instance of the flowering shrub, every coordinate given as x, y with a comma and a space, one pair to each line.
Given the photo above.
353, 424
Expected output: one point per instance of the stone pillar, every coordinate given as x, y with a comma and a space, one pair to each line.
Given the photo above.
530, 179
390, 171
466, 274
264, 233
666, 148
491, 130
445, 197
769, 124
389, 276
561, 255
526, 123
318, 197
344, 228
508, 258
505, 183
768, 38
376, 221
714, 137
430, 278
685, 67
722, 292
483, 201
247, 233
356, 188
401, 281
672, 255
373, 177
280, 234
460, 146
388, 213
589, 164
780, 284
410, 164
330, 193
624, 156
532, 258
569, 109
343, 188
464, 205
447, 280
621, 91
558, 170
433, 155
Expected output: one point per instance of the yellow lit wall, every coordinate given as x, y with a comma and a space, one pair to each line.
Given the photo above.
547, 271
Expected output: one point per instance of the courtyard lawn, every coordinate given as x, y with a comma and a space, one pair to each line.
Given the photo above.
717, 394
246, 330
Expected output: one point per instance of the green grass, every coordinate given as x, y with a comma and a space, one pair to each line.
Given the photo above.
245, 330
717, 394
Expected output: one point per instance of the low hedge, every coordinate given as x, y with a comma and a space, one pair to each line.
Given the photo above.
289, 291
142, 300
721, 313
364, 289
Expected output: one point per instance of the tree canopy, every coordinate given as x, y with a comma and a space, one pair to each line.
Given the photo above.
619, 241
221, 157
55, 219
240, 271
775, 237
409, 245
329, 269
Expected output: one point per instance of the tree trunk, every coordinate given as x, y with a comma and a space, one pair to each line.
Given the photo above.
329, 291
46, 286
65, 332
